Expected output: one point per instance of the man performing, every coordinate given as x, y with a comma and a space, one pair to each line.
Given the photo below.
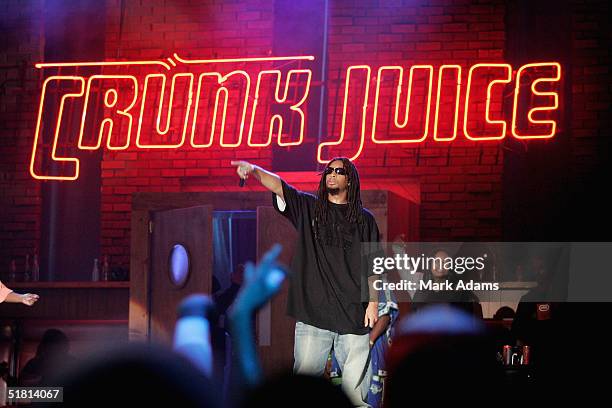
326, 294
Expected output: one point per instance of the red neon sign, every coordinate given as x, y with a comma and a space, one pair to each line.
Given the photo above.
167, 104
503, 75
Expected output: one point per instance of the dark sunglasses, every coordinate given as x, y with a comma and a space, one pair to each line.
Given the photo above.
338, 170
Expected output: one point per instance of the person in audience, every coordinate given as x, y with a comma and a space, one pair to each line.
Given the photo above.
541, 315
224, 299
52, 354
261, 282
537, 308
138, 375
500, 327
296, 391
442, 354
504, 312
192, 334
380, 340
147, 375
220, 338
439, 274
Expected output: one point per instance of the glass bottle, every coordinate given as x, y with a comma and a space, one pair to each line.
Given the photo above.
95, 273
12, 271
35, 269
27, 273
105, 269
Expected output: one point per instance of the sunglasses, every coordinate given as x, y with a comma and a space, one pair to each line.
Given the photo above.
341, 171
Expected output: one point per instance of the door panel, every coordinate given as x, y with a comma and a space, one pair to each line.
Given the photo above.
192, 228
275, 330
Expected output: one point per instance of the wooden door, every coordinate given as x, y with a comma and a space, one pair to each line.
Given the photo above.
191, 228
275, 330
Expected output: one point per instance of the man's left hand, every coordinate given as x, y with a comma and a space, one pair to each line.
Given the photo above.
371, 315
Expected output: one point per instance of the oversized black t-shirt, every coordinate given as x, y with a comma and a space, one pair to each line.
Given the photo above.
328, 280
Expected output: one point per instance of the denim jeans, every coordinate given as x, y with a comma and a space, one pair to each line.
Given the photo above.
312, 347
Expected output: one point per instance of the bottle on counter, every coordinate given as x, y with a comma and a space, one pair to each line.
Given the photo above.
35, 269
12, 277
105, 269
27, 272
95, 273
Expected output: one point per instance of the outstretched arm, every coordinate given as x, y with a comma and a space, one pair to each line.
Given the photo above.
267, 179
261, 283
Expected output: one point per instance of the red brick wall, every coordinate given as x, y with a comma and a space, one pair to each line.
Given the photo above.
591, 90
21, 30
460, 186
460, 181
154, 29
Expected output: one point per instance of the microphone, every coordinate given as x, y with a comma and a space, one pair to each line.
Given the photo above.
241, 182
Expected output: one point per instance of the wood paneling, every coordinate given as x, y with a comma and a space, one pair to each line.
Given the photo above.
191, 228
277, 355
71, 301
139, 276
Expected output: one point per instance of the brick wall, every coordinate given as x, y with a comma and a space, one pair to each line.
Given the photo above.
461, 185
157, 29
461, 181
21, 30
591, 93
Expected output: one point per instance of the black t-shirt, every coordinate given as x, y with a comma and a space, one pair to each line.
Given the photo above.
328, 282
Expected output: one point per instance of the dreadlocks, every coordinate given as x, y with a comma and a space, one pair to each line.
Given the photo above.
353, 213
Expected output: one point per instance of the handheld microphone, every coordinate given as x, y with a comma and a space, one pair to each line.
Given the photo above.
241, 183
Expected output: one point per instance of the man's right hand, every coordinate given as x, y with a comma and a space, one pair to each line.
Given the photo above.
243, 168
269, 180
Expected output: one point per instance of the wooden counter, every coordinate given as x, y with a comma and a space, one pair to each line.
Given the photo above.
71, 285
71, 301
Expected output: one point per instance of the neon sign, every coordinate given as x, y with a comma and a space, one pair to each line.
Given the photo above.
172, 103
